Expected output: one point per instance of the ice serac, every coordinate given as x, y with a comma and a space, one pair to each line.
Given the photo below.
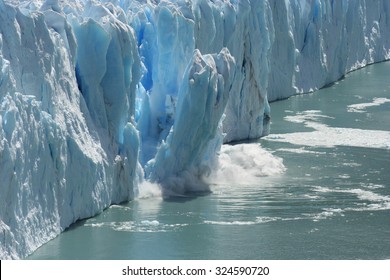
166, 44
248, 112
96, 96
188, 151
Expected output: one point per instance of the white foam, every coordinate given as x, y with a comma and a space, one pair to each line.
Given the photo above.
149, 190
147, 226
369, 195
360, 107
142, 226
244, 164
374, 186
259, 220
365, 195
380, 206
351, 164
321, 189
120, 207
313, 230
301, 150
95, 225
126, 226
150, 223
327, 213
360, 193
331, 212
310, 196
233, 223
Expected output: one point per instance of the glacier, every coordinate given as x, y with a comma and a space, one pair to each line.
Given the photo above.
100, 97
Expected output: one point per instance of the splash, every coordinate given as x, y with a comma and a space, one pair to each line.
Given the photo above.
244, 164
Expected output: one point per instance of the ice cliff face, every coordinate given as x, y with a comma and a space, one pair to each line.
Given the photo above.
64, 155
96, 96
317, 42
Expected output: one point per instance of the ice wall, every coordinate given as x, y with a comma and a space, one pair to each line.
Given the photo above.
65, 154
318, 42
169, 32
96, 96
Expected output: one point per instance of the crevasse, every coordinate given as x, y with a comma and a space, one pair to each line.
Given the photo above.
97, 96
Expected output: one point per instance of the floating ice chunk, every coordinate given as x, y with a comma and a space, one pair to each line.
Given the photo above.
325, 136
360, 108
336, 136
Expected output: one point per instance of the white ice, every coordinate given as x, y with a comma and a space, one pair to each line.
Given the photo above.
327, 136
360, 107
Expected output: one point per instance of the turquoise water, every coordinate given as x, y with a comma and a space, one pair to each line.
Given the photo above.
332, 202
